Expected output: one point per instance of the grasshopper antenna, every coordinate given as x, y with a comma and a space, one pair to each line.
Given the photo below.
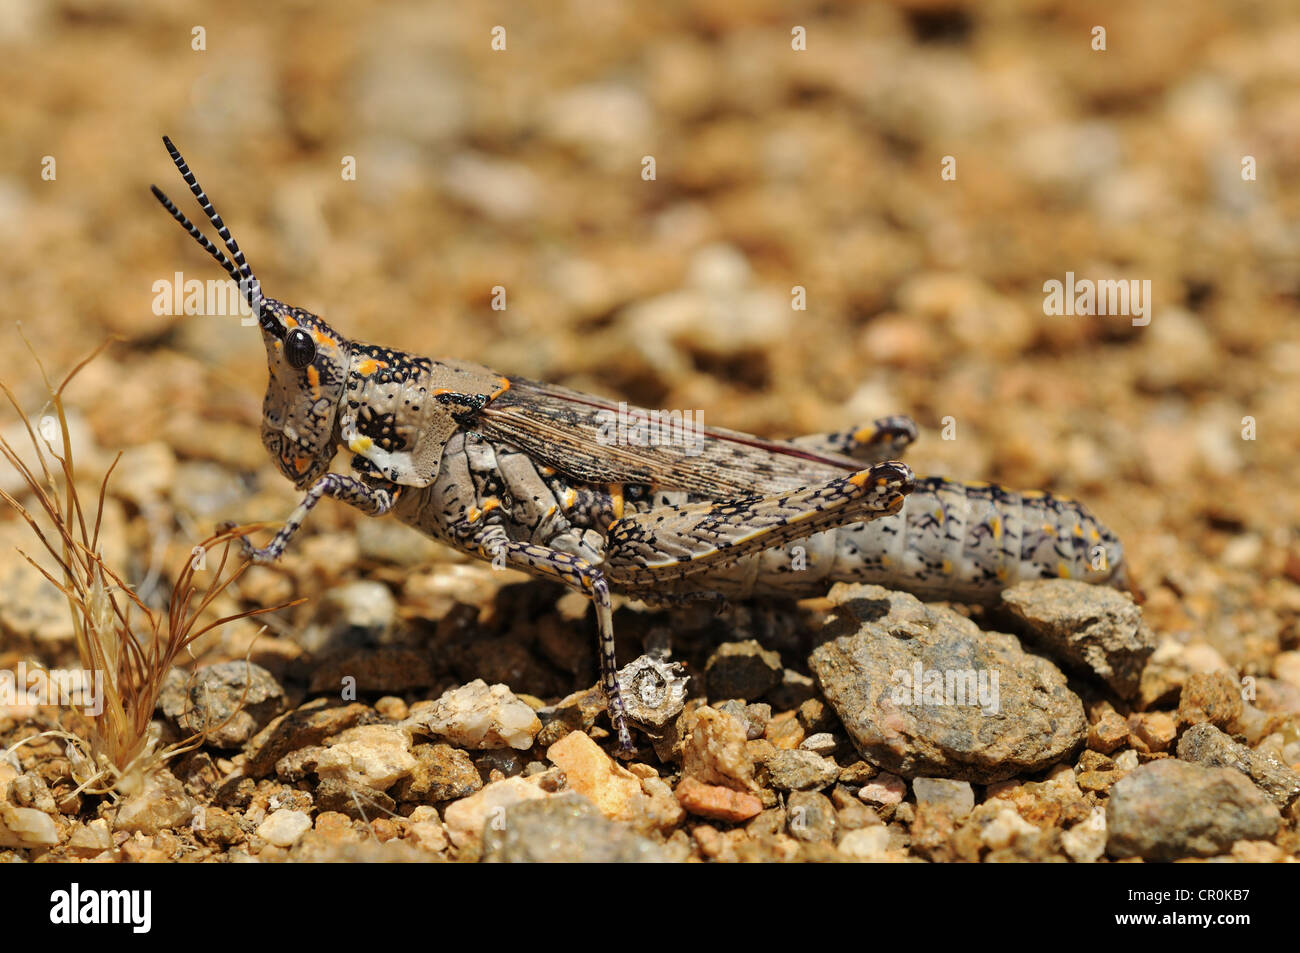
238, 269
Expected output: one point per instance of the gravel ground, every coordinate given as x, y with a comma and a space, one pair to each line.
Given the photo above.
1161, 732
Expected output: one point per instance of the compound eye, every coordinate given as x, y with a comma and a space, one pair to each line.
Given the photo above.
299, 348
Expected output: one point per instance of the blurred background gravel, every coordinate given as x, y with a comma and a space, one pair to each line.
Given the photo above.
775, 168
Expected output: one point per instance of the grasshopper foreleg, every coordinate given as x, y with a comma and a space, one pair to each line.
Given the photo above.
579, 574
370, 499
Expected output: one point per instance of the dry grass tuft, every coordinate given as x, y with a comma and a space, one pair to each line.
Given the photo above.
130, 646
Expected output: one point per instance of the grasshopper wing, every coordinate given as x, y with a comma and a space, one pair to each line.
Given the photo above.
579, 435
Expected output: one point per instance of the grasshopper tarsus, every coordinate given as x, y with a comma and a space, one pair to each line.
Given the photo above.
246, 548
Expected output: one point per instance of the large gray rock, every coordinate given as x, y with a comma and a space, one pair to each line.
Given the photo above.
566, 828
1170, 809
1094, 628
1208, 746
981, 710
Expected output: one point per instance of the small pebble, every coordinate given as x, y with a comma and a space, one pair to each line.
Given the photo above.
478, 716
370, 756
865, 843
823, 743
283, 828
743, 670
885, 788
956, 796
1213, 698
717, 803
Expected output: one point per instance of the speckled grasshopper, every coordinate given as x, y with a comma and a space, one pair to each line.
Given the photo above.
517, 471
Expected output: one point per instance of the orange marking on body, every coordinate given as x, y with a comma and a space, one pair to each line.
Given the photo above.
367, 367
865, 435
568, 499
616, 500
1063, 570
490, 504
859, 478
473, 513
313, 378
299, 463
504, 386
290, 321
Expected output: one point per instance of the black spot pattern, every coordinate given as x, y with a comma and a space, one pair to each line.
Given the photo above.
380, 427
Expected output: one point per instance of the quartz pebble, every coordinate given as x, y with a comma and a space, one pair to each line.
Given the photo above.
368, 756
477, 715
283, 828
884, 788
26, 827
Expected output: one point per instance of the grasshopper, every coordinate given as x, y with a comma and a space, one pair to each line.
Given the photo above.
516, 471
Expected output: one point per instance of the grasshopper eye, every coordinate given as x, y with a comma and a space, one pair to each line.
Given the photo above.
299, 348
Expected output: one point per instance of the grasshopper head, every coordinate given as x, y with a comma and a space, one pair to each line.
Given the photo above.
308, 359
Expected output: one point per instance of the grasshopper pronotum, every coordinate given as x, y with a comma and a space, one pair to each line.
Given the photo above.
517, 471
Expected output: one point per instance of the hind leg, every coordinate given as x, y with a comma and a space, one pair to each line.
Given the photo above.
646, 550
885, 439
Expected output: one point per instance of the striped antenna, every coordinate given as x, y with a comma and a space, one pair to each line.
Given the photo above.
238, 269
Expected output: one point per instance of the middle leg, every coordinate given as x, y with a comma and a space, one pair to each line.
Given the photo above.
579, 574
